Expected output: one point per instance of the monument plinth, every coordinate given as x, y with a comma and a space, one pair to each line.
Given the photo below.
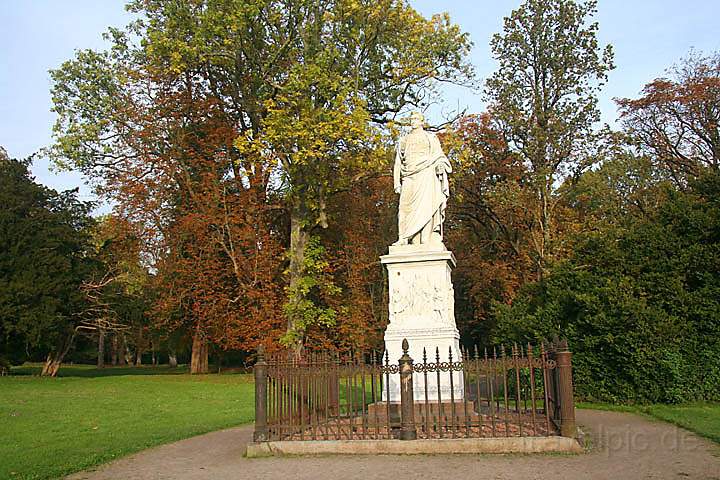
422, 311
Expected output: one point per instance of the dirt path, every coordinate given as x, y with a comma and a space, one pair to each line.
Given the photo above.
625, 446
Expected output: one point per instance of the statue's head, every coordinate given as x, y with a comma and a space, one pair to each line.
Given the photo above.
417, 120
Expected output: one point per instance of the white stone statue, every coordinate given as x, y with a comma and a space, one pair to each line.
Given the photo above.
419, 268
421, 178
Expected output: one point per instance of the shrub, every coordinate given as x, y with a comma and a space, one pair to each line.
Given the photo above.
639, 304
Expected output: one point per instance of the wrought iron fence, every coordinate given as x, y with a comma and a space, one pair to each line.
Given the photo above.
520, 391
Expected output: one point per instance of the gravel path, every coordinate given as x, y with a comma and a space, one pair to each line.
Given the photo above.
625, 446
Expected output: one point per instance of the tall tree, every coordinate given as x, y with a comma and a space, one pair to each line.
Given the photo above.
161, 147
354, 65
544, 99
45, 255
676, 121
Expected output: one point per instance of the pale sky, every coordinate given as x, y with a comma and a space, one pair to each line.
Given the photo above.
648, 36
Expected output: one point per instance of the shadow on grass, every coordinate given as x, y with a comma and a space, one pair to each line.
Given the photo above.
91, 371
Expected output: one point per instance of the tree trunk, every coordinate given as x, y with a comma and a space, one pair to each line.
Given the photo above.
546, 230
51, 366
544, 223
299, 238
138, 348
101, 349
172, 359
122, 351
219, 361
114, 350
55, 357
199, 356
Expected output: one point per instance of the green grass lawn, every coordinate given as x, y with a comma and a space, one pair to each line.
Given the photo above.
701, 418
53, 427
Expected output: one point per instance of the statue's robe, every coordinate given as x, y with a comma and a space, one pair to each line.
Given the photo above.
424, 193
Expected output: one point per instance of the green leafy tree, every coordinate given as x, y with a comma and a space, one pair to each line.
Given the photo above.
543, 98
362, 63
638, 301
44, 258
624, 188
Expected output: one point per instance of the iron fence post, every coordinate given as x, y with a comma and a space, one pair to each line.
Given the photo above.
334, 392
566, 399
260, 369
407, 404
550, 382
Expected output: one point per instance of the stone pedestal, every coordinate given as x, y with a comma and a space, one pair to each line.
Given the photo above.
422, 310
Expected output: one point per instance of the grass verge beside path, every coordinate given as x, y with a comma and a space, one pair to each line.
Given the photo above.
54, 427
700, 418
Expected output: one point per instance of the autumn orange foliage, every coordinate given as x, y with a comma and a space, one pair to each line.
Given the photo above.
490, 225
676, 119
